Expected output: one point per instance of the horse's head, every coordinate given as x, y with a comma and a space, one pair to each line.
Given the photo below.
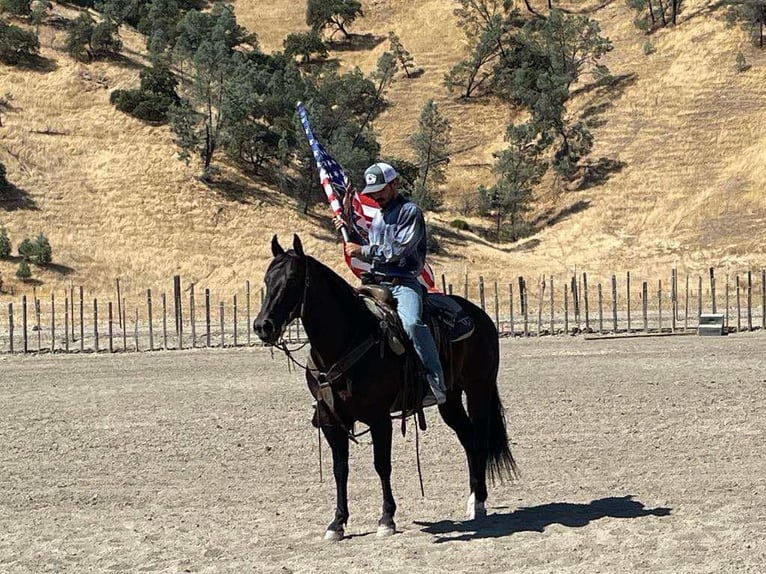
285, 281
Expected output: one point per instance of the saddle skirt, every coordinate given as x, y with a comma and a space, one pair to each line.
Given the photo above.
441, 313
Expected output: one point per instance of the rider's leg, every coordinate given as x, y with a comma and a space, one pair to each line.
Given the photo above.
409, 307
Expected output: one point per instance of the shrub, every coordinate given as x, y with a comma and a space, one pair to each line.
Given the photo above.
741, 63
16, 44
3, 178
648, 48
16, 7
460, 224
23, 272
44, 252
5, 244
37, 250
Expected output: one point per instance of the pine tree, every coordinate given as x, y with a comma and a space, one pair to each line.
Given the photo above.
5, 244
23, 272
402, 56
431, 143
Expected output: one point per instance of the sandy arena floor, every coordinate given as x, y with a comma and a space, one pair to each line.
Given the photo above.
637, 455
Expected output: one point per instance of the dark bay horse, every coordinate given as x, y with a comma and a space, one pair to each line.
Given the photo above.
365, 384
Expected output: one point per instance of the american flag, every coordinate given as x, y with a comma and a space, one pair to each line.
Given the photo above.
336, 185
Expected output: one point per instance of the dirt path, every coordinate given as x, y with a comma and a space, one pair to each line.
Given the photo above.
640, 455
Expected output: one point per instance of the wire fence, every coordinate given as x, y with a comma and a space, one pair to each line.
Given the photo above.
189, 317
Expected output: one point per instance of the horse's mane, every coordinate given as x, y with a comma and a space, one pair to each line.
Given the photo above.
339, 285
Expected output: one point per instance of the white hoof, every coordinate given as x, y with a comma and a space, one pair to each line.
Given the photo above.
475, 509
384, 531
333, 535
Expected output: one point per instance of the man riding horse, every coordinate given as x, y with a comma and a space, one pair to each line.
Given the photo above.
396, 251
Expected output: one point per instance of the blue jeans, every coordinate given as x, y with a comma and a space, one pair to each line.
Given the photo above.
409, 297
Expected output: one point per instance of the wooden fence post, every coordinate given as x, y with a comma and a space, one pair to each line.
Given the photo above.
82, 321
763, 298
699, 297
247, 310
465, 286
53, 322
66, 323
177, 302
95, 324
575, 302
645, 305
149, 318
525, 299
71, 315
686, 305
585, 300
739, 307
164, 300
566, 308
10, 327
135, 333
749, 300
223, 341
444, 283
192, 317
614, 302
235, 319
726, 314
712, 289
207, 315
673, 298
111, 340
481, 293
627, 295
24, 334
124, 326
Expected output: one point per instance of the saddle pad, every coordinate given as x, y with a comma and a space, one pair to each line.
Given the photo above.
452, 314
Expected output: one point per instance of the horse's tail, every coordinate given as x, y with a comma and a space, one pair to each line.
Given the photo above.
500, 461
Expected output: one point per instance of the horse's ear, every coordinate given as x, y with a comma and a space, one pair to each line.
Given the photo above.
297, 245
276, 248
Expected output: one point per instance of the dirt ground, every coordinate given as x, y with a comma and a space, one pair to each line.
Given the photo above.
637, 455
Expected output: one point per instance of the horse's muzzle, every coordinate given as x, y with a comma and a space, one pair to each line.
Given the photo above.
266, 330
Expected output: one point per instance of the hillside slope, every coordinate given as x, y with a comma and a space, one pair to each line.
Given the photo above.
115, 202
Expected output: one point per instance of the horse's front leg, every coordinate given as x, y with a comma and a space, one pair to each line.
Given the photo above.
338, 441
381, 443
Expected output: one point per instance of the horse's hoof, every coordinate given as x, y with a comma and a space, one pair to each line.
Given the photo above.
385, 531
475, 510
333, 535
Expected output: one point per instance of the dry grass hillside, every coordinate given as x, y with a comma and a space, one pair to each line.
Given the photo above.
114, 201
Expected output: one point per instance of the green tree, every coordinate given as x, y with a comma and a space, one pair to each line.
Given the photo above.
4, 183
154, 97
487, 25
16, 44
430, 143
44, 253
654, 14
403, 57
23, 272
751, 15
550, 55
519, 168
77, 43
206, 45
19, 8
304, 44
27, 249
337, 14
5, 244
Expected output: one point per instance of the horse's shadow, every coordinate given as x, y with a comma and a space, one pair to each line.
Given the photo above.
537, 518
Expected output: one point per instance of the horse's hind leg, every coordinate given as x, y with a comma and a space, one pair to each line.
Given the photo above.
338, 441
473, 438
381, 443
